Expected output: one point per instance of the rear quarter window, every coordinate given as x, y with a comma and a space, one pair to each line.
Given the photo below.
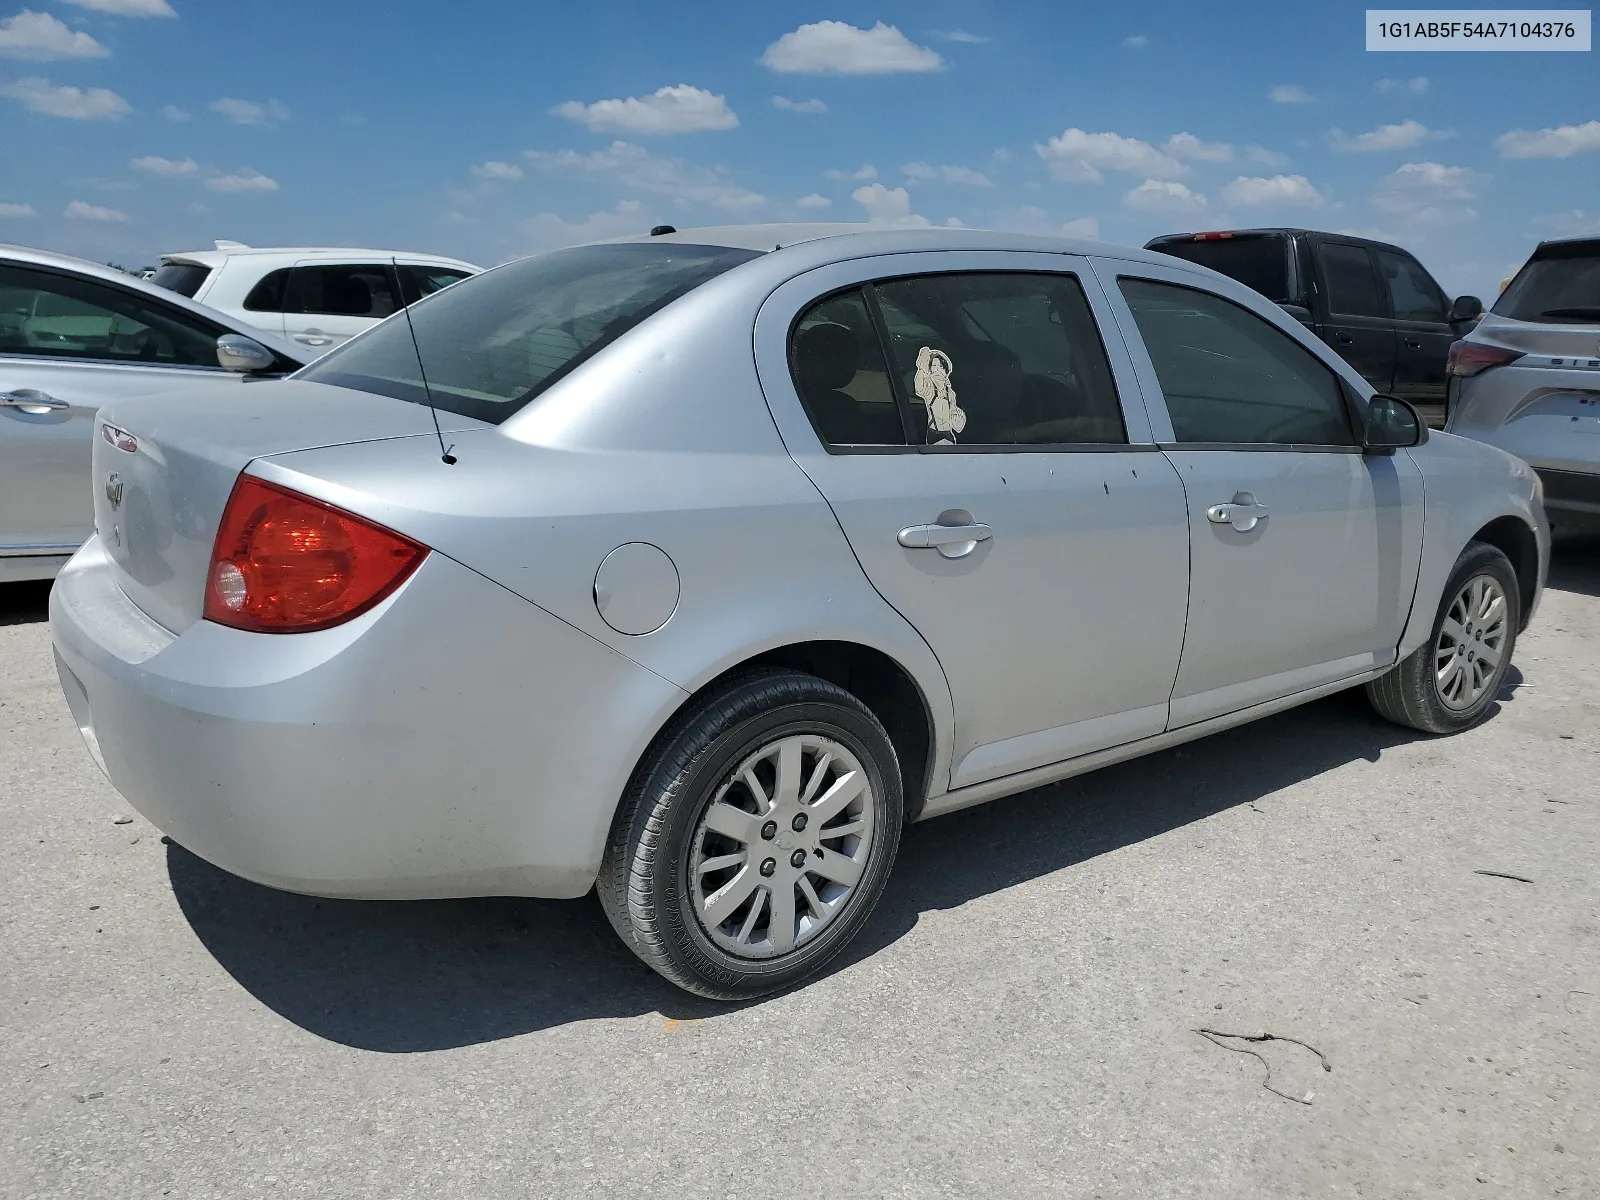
183, 278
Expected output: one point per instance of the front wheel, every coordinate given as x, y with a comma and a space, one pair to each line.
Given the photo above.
1450, 681
757, 838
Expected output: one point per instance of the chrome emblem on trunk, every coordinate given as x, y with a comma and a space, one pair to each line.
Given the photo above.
114, 490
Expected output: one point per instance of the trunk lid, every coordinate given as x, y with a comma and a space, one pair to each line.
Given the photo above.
163, 469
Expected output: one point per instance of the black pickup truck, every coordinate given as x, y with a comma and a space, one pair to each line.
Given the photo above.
1374, 303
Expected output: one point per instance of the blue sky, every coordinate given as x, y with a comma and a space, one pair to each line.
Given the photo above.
134, 127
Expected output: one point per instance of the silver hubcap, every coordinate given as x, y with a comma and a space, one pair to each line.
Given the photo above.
1467, 656
780, 849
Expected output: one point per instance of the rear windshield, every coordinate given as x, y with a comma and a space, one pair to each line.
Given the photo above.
1559, 284
183, 278
1261, 263
493, 342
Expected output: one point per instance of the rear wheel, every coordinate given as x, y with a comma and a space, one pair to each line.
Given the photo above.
1449, 682
756, 840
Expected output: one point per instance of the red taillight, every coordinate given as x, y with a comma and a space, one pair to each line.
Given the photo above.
1473, 358
285, 563
1212, 237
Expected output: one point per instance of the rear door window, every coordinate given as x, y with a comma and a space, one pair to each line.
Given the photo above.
183, 278
68, 316
1413, 295
1230, 377
1352, 287
1261, 263
1000, 359
342, 291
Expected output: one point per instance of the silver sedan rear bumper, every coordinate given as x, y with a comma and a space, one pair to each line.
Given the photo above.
454, 741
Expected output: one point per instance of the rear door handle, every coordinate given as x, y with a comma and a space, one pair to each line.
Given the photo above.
1244, 513
952, 541
313, 337
1412, 344
1344, 339
31, 401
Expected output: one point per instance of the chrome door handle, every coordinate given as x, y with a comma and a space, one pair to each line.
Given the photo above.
952, 541
313, 337
31, 401
1243, 513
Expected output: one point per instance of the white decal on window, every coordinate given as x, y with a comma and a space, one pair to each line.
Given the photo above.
936, 393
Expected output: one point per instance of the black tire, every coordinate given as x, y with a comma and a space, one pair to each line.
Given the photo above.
1409, 693
644, 883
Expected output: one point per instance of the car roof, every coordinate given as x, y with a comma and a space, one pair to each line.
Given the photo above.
1277, 231
863, 240
221, 254
82, 266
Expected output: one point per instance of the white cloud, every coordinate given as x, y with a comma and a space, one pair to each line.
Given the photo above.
173, 113
814, 200
547, 230
40, 37
636, 169
1186, 145
1289, 93
678, 109
1280, 191
79, 104
1416, 85
887, 206
1572, 223
154, 164
1138, 42
960, 36
1164, 195
923, 172
800, 106
863, 172
1563, 141
1030, 218
128, 8
1077, 155
497, 172
1429, 193
16, 210
838, 48
79, 211
242, 180
1406, 135
248, 112
1263, 157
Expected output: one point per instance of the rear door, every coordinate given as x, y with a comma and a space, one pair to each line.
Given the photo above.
1304, 551
68, 344
329, 303
1422, 330
1353, 312
987, 455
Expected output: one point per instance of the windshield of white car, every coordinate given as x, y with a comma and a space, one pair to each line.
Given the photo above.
492, 343
1555, 285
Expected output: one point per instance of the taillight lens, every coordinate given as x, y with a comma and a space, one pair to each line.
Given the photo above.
1473, 358
285, 563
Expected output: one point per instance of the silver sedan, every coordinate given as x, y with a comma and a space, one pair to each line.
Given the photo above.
690, 568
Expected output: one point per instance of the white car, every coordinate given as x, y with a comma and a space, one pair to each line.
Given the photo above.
316, 297
74, 336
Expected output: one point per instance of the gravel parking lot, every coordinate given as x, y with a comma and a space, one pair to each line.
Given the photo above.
1019, 1020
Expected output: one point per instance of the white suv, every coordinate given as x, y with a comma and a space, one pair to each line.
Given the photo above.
315, 297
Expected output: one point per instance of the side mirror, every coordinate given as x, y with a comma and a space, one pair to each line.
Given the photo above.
236, 352
1465, 308
1392, 425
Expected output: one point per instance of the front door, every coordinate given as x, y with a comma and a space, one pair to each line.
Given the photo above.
1303, 550
1353, 312
996, 489
1423, 333
68, 345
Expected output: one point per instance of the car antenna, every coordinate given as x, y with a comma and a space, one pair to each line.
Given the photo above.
445, 456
